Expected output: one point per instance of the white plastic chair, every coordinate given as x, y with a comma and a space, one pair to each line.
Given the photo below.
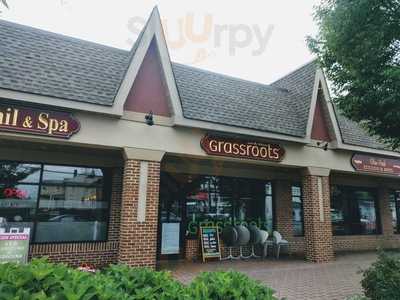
279, 241
264, 238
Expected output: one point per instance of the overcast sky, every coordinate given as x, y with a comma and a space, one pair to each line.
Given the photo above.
255, 40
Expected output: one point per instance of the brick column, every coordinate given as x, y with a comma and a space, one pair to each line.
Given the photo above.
139, 210
283, 209
385, 213
317, 219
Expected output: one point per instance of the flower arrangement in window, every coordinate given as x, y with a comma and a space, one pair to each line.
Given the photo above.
15, 193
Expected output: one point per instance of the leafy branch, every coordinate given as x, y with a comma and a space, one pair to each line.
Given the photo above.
4, 3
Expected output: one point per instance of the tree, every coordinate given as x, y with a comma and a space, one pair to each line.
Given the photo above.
4, 2
358, 44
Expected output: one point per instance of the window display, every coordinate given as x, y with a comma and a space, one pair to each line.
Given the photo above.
215, 201
58, 203
354, 211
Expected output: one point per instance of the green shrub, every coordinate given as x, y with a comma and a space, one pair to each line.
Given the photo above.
228, 286
143, 283
41, 280
382, 280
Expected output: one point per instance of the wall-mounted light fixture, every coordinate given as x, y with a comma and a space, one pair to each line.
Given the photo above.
149, 119
323, 146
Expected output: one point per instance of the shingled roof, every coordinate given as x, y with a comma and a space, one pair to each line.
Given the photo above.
217, 98
353, 134
49, 64
45, 63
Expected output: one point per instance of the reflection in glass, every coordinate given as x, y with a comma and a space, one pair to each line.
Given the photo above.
269, 213
18, 194
215, 201
12, 173
395, 210
354, 211
71, 205
208, 199
366, 212
297, 211
338, 212
71, 197
170, 207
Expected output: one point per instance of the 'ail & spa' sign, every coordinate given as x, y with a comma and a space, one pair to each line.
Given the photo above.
239, 148
40, 122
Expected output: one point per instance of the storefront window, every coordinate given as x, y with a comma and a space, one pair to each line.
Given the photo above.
354, 211
209, 201
297, 211
395, 210
58, 203
215, 201
269, 206
19, 187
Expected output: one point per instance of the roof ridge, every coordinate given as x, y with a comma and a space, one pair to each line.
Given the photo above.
58, 35
80, 40
294, 71
230, 77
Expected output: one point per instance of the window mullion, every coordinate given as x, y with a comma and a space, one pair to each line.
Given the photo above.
397, 208
35, 220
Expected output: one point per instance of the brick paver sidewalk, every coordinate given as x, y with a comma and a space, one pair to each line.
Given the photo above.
291, 278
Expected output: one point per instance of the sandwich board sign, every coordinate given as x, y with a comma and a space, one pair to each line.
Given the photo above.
210, 247
14, 245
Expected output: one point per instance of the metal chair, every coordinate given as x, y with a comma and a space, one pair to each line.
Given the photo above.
279, 241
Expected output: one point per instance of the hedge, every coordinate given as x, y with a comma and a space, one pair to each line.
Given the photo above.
40, 280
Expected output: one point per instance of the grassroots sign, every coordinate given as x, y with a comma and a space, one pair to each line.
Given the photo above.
14, 245
210, 247
239, 148
40, 122
374, 164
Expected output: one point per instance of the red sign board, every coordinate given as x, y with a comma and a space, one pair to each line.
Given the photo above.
40, 122
224, 146
373, 164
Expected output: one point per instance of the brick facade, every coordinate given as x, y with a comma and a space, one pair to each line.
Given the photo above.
283, 208
76, 254
134, 243
387, 240
96, 253
317, 223
192, 249
130, 242
138, 240
284, 216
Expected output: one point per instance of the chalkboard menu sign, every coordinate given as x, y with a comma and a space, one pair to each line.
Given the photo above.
210, 247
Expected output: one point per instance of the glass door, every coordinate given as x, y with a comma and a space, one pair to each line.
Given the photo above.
189, 201
170, 235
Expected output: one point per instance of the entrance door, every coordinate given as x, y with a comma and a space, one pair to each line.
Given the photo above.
190, 201
170, 233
